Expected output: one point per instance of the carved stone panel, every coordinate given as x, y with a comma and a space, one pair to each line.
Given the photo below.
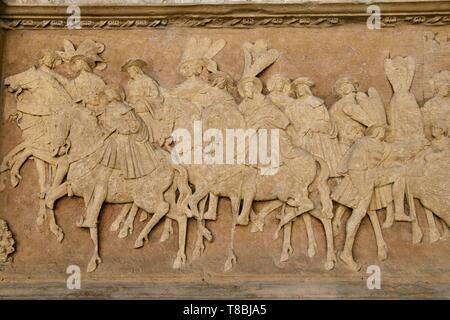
254, 158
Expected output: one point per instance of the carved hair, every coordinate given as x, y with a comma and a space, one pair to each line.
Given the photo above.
257, 83
337, 88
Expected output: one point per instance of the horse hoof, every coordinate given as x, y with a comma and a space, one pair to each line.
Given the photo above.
114, 227
230, 262
434, 237
311, 252
242, 220
383, 253
228, 265
178, 263
92, 266
59, 235
256, 227
329, 265
198, 251
40, 220
164, 236
124, 232
139, 243
417, 237
2, 183
276, 234
15, 179
348, 260
284, 257
143, 216
50, 204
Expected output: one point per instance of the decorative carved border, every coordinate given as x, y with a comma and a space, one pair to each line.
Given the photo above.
432, 13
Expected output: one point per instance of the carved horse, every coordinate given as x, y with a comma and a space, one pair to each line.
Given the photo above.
153, 193
41, 103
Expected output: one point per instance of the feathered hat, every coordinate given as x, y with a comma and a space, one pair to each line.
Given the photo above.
203, 49
88, 48
257, 57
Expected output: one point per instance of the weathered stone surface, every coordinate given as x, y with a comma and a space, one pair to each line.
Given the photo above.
331, 93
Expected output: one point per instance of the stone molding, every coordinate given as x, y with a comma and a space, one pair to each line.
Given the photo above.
431, 13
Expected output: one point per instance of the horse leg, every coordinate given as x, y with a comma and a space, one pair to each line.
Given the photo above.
160, 212
199, 247
211, 214
257, 221
243, 217
42, 171
54, 227
180, 260
91, 220
95, 259
434, 231
167, 230
127, 227
170, 196
352, 228
143, 216
121, 217
415, 227
303, 205
381, 244
231, 260
445, 231
331, 256
389, 221
312, 246
55, 194
6, 163
287, 249
337, 221
15, 176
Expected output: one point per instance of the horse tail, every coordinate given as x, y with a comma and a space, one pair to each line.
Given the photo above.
321, 180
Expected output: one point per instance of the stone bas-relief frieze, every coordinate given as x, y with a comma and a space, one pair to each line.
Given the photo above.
91, 138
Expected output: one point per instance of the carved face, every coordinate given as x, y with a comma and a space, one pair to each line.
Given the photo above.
302, 90
80, 65
112, 95
220, 82
49, 61
134, 71
249, 90
347, 88
191, 68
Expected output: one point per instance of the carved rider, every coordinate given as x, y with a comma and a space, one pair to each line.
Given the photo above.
313, 129
347, 114
365, 165
438, 107
280, 91
86, 85
144, 94
126, 149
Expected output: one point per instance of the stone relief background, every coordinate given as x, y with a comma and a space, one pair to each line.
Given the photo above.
323, 55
